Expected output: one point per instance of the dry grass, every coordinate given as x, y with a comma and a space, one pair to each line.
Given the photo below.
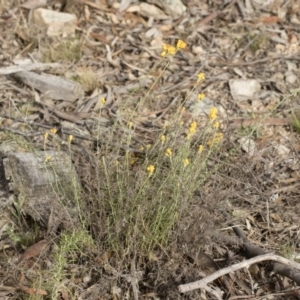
140, 196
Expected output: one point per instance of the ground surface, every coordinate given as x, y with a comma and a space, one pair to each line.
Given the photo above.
257, 185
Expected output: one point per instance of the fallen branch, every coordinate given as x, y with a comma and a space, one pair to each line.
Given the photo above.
28, 67
253, 250
183, 288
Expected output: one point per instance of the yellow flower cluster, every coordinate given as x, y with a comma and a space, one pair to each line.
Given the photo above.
53, 130
213, 113
200, 148
218, 136
192, 129
180, 44
201, 96
163, 138
48, 158
171, 50
168, 50
142, 148
216, 139
168, 152
201, 77
186, 162
216, 125
70, 138
150, 169
133, 160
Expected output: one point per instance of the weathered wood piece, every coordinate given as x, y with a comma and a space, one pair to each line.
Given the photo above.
46, 184
28, 67
57, 88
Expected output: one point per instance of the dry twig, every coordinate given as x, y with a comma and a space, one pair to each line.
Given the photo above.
183, 288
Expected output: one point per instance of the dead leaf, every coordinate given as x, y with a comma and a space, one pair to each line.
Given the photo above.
103, 258
33, 251
270, 20
64, 294
32, 291
99, 38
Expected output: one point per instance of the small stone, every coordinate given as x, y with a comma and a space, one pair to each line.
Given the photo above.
244, 89
282, 150
56, 23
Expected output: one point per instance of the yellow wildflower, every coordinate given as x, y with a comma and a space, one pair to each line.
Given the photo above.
192, 130
168, 152
168, 50
216, 125
201, 96
102, 100
200, 148
219, 136
130, 124
213, 113
133, 160
70, 138
186, 162
171, 50
46, 135
216, 139
150, 169
180, 44
163, 138
53, 130
201, 77
193, 127
47, 158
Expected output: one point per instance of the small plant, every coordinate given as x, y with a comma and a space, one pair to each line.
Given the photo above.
287, 250
296, 120
144, 194
258, 42
87, 78
68, 50
71, 247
